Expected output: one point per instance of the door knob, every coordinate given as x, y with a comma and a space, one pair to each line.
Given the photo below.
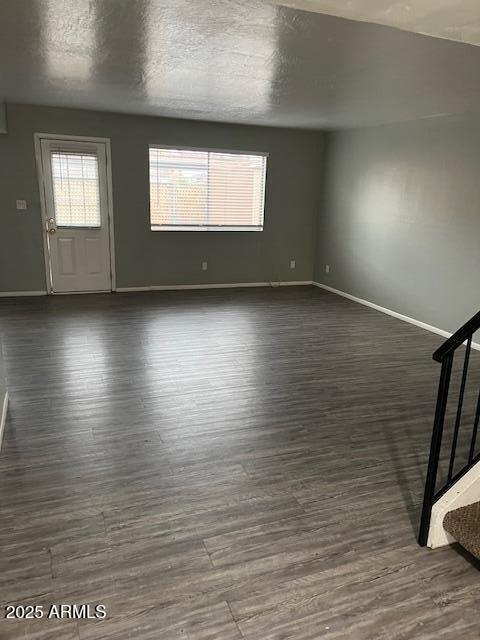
52, 230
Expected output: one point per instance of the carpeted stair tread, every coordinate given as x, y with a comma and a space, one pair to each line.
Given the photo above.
464, 525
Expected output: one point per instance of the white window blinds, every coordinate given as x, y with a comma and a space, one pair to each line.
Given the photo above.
206, 190
76, 193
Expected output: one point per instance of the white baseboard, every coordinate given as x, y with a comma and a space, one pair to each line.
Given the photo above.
227, 285
3, 416
16, 294
395, 314
169, 287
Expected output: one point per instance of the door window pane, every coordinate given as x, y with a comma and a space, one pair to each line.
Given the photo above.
76, 192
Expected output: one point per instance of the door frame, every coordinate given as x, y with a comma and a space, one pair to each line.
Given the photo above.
38, 137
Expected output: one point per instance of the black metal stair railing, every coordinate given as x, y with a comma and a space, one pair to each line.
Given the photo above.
445, 355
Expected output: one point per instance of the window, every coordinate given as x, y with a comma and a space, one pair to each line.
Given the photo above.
76, 193
206, 190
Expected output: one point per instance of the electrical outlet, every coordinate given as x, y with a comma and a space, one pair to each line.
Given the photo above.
327, 268
293, 264
204, 266
21, 205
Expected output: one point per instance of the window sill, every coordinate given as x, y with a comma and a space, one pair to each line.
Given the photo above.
202, 228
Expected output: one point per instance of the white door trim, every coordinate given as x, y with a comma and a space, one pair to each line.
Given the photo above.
38, 137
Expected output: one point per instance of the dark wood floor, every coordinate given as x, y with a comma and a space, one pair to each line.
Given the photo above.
222, 465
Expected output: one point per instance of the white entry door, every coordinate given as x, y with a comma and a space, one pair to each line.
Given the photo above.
74, 176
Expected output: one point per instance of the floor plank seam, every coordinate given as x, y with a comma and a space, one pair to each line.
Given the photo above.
208, 554
50, 558
242, 635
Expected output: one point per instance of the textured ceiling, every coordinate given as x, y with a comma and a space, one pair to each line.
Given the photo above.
245, 61
452, 19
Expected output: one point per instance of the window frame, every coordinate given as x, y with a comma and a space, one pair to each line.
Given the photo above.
205, 228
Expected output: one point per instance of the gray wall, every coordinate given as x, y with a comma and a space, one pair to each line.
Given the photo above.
400, 218
145, 258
